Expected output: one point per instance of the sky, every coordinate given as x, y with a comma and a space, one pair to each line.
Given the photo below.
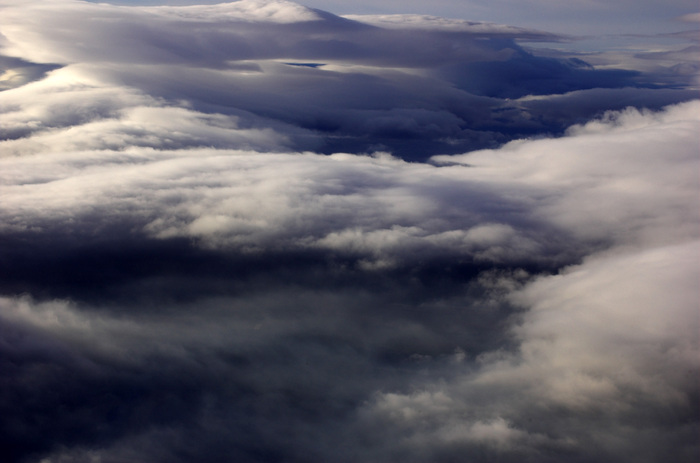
265, 231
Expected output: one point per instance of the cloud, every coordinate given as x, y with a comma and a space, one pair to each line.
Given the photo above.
607, 195
295, 253
611, 342
260, 232
445, 25
69, 110
276, 11
690, 17
413, 85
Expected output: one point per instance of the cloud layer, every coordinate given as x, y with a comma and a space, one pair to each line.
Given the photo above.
414, 85
218, 243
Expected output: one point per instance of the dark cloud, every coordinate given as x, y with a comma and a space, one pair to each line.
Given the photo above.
218, 243
353, 301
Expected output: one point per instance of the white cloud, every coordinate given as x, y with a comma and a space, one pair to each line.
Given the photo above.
183, 267
607, 179
599, 341
426, 22
626, 180
277, 11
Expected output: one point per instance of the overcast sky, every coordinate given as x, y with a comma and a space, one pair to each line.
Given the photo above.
263, 232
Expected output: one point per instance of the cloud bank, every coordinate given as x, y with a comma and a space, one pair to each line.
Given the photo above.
261, 232
413, 85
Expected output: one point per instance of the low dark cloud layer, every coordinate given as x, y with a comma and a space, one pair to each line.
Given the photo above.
258, 232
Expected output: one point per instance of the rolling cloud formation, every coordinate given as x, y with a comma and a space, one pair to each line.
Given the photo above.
257, 231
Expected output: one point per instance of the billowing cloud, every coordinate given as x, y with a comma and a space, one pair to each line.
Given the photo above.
607, 352
261, 232
414, 85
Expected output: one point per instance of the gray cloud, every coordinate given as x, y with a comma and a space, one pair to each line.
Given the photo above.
219, 244
416, 86
590, 353
367, 265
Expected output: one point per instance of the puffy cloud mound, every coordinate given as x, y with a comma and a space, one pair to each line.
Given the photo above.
608, 351
192, 271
